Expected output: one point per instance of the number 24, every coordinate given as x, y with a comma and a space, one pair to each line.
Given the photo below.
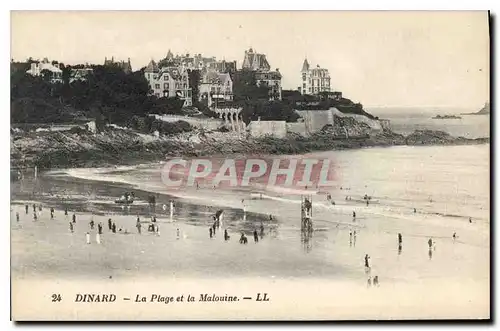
56, 297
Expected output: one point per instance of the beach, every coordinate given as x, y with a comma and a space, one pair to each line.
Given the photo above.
420, 192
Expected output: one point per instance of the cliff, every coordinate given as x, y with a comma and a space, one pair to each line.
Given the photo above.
125, 147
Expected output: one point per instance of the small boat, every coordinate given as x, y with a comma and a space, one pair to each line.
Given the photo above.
126, 199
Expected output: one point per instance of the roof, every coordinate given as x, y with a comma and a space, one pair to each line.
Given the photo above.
152, 67
305, 66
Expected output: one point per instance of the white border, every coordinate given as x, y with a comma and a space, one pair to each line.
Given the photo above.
187, 5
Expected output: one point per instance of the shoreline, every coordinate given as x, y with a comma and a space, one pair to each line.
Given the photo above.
118, 147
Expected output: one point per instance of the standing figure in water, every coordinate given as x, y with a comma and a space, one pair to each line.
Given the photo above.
210, 232
353, 214
71, 227
226, 235
26, 208
470, 219
255, 236
17, 217
65, 211
74, 218
454, 236
400, 243
367, 264
138, 225
34, 208
430, 243
113, 227
178, 234
261, 230
110, 224
414, 210
354, 237
369, 282
99, 228
51, 213
375, 281
350, 238
34, 216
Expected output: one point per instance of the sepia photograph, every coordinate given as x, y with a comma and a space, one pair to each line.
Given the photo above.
250, 165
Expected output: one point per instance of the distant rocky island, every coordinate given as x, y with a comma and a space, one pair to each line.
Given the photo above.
484, 111
446, 117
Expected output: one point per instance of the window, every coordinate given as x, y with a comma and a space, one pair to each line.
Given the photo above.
304, 85
165, 77
309, 89
177, 85
166, 86
157, 86
304, 77
185, 85
154, 76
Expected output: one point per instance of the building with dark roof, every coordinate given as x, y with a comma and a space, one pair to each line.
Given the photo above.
263, 74
125, 66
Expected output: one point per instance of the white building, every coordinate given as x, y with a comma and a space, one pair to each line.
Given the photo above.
37, 69
169, 82
215, 87
314, 81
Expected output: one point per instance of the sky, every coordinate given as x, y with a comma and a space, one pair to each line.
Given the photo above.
381, 59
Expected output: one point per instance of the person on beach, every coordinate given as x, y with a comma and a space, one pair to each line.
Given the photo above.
113, 227
74, 218
157, 228
210, 232
454, 236
87, 235
367, 262
35, 217
99, 228
154, 219
91, 223
34, 208
470, 219
429, 242
375, 281
367, 202
353, 214
270, 217
214, 226
400, 239
138, 225
354, 238
98, 237
71, 227
255, 236
261, 230
26, 207
40, 207
414, 210
17, 217
65, 211
369, 282
243, 239
51, 213
350, 238
226, 235
178, 234
110, 224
